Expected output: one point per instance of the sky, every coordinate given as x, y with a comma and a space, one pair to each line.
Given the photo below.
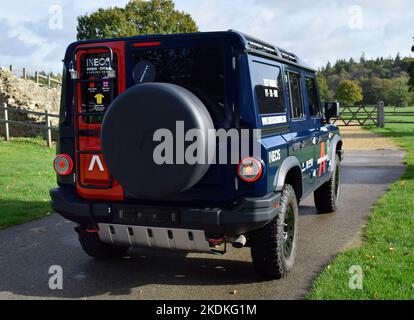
35, 34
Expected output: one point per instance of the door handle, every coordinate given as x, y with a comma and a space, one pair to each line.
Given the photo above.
316, 140
298, 146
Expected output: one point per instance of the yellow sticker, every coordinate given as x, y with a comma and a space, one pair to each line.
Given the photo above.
99, 98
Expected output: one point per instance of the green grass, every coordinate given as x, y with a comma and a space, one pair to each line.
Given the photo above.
26, 175
387, 253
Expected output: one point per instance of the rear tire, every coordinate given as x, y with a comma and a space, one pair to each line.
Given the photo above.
97, 249
327, 196
273, 247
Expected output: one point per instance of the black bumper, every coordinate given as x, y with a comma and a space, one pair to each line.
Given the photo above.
246, 215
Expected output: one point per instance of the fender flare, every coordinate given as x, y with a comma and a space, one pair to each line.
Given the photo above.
287, 164
334, 143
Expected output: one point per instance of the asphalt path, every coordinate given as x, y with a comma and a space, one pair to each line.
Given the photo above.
28, 251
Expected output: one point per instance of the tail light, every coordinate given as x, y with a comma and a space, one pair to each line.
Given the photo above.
63, 164
250, 170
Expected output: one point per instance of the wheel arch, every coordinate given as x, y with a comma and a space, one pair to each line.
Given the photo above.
336, 147
290, 172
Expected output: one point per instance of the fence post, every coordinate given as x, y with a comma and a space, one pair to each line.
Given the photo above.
380, 115
37, 77
24, 73
6, 123
11, 68
48, 81
49, 130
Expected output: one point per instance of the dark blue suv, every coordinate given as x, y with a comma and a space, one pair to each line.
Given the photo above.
143, 120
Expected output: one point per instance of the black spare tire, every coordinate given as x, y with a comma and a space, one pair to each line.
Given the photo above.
128, 145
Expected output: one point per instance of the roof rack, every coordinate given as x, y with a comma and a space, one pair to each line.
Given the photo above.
268, 48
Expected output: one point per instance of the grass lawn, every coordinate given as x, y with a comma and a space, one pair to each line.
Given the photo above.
26, 175
387, 253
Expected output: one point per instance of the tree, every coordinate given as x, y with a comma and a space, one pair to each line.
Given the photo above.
411, 74
138, 17
323, 87
349, 92
396, 92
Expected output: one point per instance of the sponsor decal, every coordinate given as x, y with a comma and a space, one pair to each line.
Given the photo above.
266, 121
274, 156
99, 98
323, 158
307, 165
96, 161
271, 89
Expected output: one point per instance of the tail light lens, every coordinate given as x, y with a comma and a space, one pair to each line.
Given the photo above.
63, 164
250, 170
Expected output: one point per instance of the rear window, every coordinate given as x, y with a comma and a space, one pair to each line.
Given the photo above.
268, 87
200, 70
312, 97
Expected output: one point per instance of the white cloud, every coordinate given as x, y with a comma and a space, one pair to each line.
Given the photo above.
315, 30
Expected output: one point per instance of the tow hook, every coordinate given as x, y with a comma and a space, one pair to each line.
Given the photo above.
88, 230
240, 242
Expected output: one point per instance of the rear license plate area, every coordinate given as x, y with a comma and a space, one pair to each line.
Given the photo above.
143, 216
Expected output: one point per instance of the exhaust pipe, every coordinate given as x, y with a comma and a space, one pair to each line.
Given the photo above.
240, 242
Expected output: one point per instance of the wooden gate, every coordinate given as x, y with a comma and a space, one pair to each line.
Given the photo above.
358, 116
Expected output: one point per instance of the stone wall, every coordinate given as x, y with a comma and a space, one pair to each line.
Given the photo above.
27, 95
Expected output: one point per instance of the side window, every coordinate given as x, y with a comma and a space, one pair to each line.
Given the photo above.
296, 104
312, 97
268, 87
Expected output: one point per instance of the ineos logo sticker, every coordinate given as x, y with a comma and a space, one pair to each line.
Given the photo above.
96, 160
98, 62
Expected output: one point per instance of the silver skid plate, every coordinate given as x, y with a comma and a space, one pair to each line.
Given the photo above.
152, 237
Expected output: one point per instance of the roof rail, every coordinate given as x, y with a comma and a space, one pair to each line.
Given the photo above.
263, 46
269, 49
289, 56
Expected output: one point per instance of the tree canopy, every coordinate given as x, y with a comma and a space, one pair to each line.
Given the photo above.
349, 92
381, 79
137, 18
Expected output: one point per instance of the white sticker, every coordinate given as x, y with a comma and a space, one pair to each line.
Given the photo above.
273, 120
270, 83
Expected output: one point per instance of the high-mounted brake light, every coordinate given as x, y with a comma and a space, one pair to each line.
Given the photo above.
250, 170
146, 44
63, 164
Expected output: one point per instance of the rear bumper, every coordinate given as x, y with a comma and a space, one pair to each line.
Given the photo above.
246, 215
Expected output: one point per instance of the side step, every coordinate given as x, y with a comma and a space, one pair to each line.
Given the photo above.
153, 237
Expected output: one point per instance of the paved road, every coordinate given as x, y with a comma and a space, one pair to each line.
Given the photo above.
27, 252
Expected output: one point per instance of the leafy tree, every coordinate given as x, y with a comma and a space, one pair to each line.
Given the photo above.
138, 17
373, 89
323, 87
349, 92
396, 92
411, 74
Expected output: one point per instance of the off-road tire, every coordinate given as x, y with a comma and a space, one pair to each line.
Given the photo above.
327, 196
270, 256
97, 249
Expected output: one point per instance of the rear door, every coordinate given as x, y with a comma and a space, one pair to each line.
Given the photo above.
320, 135
302, 130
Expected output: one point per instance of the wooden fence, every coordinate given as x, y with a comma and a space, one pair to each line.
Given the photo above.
35, 76
47, 127
372, 115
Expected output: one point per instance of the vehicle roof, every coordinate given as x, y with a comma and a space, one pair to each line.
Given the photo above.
248, 43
